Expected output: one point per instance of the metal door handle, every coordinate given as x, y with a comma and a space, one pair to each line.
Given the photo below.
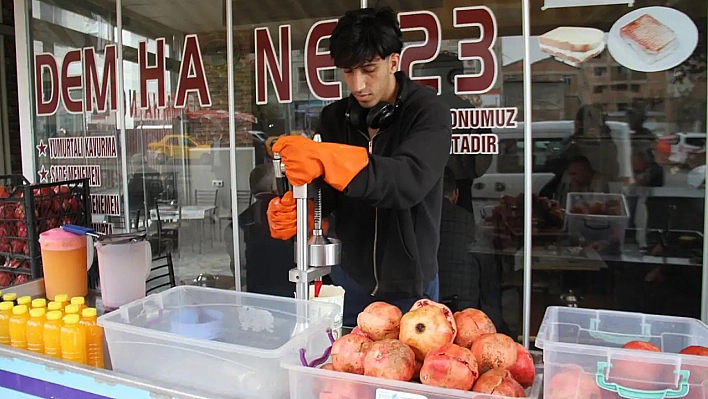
500, 186
479, 186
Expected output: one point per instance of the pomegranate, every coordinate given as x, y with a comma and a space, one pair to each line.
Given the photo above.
390, 359
380, 321
523, 370
357, 331
451, 366
494, 351
639, 373
5, 279
698, 374
4, 192
573, 383
499, 382
427, 326
471, 323
328, 366
348, 353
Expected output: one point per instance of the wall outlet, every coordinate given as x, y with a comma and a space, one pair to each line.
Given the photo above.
217, 183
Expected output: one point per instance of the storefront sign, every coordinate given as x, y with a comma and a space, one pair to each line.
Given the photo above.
583, 3
105, 204
278, 64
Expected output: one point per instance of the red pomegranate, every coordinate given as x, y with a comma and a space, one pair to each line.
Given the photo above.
471, 323
698, 374
390, 359
523, 370
427, 326
451, 366
328, 366
348, 353
573, 383
380, 321
638, 373
494, 351
499, 382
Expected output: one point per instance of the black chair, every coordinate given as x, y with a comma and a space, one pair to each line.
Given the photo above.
162, 274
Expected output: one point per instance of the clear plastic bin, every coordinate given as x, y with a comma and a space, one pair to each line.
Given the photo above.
583, 355
223, 343
310, 382
598, 228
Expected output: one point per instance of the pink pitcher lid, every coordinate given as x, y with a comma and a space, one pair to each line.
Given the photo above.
59, 240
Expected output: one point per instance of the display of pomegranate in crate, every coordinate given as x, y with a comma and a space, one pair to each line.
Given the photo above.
26, 211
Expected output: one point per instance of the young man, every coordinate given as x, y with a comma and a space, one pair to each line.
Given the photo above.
385, 175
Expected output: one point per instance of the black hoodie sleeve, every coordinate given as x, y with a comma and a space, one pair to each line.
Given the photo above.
406, 177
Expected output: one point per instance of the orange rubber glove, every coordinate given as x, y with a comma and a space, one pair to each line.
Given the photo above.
282, 217
305, 160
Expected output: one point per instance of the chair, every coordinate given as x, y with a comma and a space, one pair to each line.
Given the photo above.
162, 274
207, 198
169, 229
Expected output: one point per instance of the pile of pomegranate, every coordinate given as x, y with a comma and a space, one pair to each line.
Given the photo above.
572, 382
431, 345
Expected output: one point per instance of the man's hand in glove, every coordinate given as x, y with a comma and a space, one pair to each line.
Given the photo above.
305, 160
282, 217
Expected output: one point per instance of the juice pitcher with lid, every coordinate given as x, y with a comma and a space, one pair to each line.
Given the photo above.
64, 262
124, 262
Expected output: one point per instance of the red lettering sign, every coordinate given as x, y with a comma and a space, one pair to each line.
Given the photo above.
92, 80
481, 49
415, 54
280, 71
156, 72
192, 77
46, 105
71, 82
316, 60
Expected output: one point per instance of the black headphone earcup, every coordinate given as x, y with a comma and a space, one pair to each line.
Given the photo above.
381, 115
356, 115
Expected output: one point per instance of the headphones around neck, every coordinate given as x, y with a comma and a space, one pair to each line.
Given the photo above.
380, 116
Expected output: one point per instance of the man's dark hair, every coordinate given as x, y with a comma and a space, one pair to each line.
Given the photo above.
262, 179
449, 185
363, 34
581, 160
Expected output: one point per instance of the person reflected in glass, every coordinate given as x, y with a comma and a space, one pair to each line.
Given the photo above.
580, 177
592, 139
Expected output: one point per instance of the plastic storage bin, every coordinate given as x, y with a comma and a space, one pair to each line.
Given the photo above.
583, 355
162, 338
310, 382
598, 228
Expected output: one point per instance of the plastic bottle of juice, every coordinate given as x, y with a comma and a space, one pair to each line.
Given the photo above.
52, 334
63, 299
39, 303
73, 340
25, 300
10, 297
72, 309
94, 338
35, 330
5, 316
80, 301
51, 306
18, 327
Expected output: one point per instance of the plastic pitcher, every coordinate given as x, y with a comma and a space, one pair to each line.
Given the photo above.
64, 262
124, 262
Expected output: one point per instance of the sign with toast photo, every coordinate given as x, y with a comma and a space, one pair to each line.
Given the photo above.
573, 45
583, 3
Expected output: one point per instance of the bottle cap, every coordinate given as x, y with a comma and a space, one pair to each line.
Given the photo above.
54, 315
71, 319
61, 298
78, 300
5, 306
24, 300
19, 310
71, 309
37, 312
9, 297
89, 312
54, 306
39, 303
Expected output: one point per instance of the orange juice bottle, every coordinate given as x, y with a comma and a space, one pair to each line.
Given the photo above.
39, 303
5, 316
25, 300
35, 330
51, 336
80, 302
72, 309
51, 306
10, 297
94, 338
73, 340
63, 299
18, 327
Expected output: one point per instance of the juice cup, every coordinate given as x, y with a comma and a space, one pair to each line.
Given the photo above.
10, 297
94, 338
53, 305
72, 309
25, 300
63, 299
5, 316
39, 303
18, 327
73, 340
52, 334
35, 330
80, 302
64, 262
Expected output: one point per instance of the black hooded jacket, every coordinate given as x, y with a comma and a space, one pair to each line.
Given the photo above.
388, 217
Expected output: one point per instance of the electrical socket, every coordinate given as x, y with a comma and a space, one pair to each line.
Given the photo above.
217, 183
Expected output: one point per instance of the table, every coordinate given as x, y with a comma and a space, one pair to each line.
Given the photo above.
188, 212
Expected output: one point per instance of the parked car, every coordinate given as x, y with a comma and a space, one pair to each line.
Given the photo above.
180, 146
